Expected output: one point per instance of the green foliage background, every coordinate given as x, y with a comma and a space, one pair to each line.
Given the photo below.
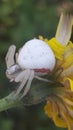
20, 21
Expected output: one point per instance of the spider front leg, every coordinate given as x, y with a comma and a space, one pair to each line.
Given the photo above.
10, 56
42, 79
12, 68
27, 88
23, 77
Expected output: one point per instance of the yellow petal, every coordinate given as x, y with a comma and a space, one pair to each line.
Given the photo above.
71, 83
68, 120
68, 61
67, 73
48, 109
70, 110
43, 39
68, 56
51, 110
68, 101
57, 48
70, 44
70, 127
58, 120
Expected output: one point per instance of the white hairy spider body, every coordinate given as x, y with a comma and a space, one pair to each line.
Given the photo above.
34, 59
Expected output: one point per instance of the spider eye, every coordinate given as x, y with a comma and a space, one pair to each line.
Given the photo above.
36, 54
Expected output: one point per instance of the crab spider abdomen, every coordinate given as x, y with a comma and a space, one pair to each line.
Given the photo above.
36, 54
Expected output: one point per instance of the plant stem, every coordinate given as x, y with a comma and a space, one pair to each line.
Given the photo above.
9, 102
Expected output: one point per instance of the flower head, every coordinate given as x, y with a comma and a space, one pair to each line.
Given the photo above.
59, 106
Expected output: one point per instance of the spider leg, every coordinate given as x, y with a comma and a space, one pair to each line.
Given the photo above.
10, 56
12, 76
16, 55
43, 79
22, 75
28, 84
13, 69
23, 82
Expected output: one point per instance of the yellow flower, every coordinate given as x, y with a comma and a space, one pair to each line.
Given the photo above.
59, 106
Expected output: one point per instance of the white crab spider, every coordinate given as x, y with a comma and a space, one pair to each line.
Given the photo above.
33, 60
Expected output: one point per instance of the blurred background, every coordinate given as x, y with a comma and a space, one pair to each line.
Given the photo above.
20, 21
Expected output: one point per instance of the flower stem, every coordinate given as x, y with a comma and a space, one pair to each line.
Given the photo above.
9, 102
